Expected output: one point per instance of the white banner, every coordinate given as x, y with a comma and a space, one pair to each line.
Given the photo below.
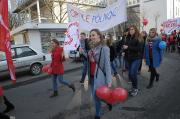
71, 41
103, 19
170, 25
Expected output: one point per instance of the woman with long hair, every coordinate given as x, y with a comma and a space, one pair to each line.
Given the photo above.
133, 49
153, 55
113, 55
58, 67
144, 36
100, 68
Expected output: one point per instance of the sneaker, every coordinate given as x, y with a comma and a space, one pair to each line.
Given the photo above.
72, 87
12, 117
134, 92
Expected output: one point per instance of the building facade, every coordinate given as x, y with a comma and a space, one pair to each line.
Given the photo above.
39, 21
158, 11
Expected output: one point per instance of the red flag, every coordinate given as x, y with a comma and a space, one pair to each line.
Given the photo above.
5, 44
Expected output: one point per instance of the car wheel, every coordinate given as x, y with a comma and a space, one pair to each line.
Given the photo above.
35, 69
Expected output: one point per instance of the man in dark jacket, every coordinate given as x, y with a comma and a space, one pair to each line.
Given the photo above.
84, 48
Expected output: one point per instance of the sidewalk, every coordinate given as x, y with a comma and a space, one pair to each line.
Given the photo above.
69, 66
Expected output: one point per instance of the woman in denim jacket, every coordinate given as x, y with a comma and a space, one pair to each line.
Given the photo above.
100, 68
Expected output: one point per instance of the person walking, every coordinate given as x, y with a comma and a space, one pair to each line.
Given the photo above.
124, 52
100, 68
144, 36
84, 48
153, 55
57, 67
133, 47
113, 55
8, 104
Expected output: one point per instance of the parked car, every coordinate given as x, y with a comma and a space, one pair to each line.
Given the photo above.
25, 58
74, 54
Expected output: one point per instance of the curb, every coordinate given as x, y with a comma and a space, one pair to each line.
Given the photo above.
35, 79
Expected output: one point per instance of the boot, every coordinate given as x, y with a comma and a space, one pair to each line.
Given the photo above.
9, 106
55, 93
97, 117
150, 84
72, 87
4, 116
157, 77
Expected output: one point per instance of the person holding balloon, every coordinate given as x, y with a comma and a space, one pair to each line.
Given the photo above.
100, 68
57, 66
153, 54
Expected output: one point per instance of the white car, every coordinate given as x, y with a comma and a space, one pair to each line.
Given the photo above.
74, 54
24, 58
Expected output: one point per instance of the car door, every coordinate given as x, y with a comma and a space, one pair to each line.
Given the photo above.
25, 56
3, 61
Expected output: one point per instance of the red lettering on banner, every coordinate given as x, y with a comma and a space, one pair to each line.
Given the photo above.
74, 13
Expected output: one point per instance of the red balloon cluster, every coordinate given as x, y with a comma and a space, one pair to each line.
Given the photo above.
47, 68
112, 96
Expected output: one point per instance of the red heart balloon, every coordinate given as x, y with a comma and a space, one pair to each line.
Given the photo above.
46, 67
103, 92
119, 94
111, 99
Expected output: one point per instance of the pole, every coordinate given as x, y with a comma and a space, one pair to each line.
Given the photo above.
114, 31
38, 12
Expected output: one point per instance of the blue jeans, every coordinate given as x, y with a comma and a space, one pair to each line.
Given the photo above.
116, 62
120, 61
133, 69
84, 69
61, 80
113, 67
97, 101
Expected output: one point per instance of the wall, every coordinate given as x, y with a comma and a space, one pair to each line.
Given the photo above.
18, 39
152, 9
35, 40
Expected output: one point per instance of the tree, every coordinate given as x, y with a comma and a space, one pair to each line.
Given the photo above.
12, 20
60, 15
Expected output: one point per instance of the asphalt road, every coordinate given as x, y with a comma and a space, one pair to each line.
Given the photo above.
161, 102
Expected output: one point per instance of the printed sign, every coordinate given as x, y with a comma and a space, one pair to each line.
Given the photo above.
103, 19
71, 41
170, 25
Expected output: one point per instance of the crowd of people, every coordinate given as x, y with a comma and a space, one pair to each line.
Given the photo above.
172, 40
102, 59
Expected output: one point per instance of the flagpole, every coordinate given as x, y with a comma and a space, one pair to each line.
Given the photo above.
114, 31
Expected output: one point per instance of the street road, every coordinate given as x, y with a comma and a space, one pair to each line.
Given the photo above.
161, 102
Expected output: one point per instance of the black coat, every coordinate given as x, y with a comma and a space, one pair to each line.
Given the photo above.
134, 50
